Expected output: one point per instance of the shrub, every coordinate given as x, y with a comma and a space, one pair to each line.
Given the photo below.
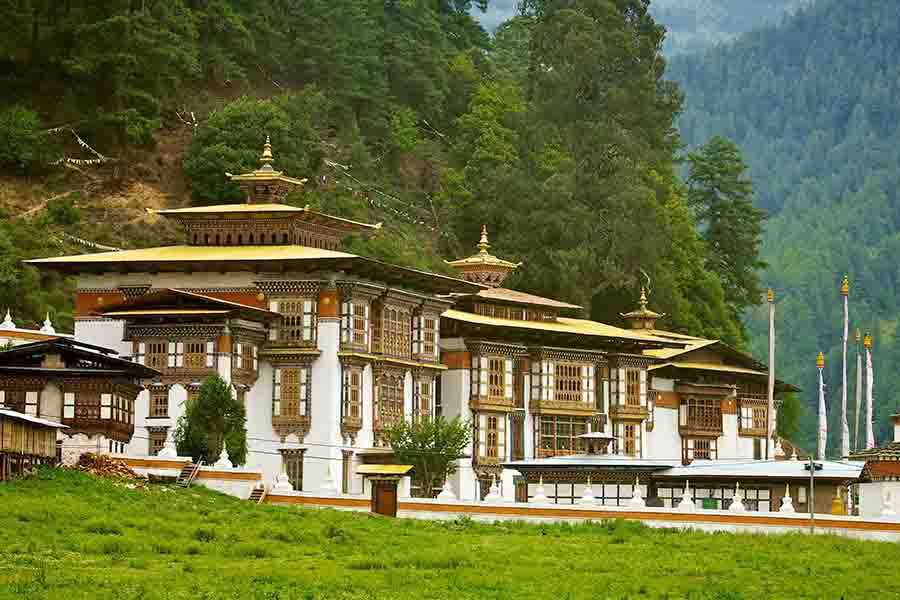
22, 141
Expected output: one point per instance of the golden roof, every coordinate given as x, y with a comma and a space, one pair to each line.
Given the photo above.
483, 258
698, 366
305, 214
516, 297
667, 353
560, 325
197, 254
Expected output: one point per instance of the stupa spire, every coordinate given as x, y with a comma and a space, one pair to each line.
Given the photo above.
483, 267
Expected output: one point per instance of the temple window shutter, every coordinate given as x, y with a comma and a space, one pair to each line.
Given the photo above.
304, 396
239, 355
346, 319
508, 378
276, 395
483, 376
140, 353
69, 405
366, 334
255, 358
622, 387
171, 355
179, 354
273, 328
535, 380
437, 339
211, 354
31, 403
308, 324
643, 388
105, 406
2, 399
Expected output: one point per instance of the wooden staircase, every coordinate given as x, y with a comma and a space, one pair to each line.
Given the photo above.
258, 495
188, 474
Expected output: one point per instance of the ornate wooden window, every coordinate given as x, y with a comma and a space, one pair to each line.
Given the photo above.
352, 396
568, 492
159, 402
492, 379
543, 380
157, 441
491, 437
298, 322
13, 400
155, 353
392, 331
559, 435
698, 449
602, 398
702, 413
753, 417
628, 439
355, 325
568, 382
195, 355
291, 393
425, 337
293, 466
423, 399
388, 405
632, 387
245, 357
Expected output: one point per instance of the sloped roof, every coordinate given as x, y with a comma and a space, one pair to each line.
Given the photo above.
12, 414
305, 214
177, 302
516, 297
85, 358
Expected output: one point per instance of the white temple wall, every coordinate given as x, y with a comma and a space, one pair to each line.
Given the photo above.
664, 442
728, 446
366, 438
262, 442
106, 333
872, 497
324, 439
51, 403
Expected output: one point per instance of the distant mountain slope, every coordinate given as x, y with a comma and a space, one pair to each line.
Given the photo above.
692, 24
813, 105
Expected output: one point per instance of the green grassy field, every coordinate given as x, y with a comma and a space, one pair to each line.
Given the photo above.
68, 535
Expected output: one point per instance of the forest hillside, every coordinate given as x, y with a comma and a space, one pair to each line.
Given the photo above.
813, 105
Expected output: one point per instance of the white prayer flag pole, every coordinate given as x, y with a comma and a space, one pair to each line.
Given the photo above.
771, 425
845, 430
823, 414
859, 386
870, 385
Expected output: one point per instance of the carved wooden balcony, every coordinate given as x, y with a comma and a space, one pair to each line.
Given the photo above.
628, 412
492, 403
89, 422
566, 407
284, 425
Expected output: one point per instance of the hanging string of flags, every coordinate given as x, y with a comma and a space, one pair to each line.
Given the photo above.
99, 158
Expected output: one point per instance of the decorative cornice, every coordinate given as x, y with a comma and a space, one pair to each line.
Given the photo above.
291, 287
485, 348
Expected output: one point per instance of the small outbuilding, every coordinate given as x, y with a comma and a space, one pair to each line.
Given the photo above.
25, 442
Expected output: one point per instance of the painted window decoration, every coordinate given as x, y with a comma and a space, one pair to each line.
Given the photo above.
355, 325
90, 407
14, 399
492, 379
543, 380
753, 417
559, 435
701, 412
245, 357
392, 332
632, 387
291, 393
157, 440
424, 397
491, 436
298, 321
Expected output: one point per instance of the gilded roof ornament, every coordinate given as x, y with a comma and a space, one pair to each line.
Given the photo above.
820, 361
770, 296
483, 267
867, 341
845, 286
858, 335
643, 317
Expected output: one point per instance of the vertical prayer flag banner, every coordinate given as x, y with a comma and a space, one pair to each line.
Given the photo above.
823, 414
771, 424
870, 394
859, 388
845, 430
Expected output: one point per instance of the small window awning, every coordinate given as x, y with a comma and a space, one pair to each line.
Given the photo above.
397, 470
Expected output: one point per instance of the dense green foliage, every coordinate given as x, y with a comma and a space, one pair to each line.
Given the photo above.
99, 539
213, 419
432, 446
812, 104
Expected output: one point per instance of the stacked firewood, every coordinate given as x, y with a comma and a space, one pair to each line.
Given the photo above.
104, 465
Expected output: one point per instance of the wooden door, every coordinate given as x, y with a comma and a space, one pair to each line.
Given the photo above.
384, 498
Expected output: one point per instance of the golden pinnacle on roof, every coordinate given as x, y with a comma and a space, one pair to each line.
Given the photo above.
820, 361
267, 159
867, 341
643, 300
845, 286
484, 245
483, 267
770, 296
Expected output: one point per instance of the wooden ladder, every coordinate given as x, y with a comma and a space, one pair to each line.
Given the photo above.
258, 495
188, 474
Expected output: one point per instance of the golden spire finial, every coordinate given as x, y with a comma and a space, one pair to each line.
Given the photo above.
845, 286
867, 341
643, 299
266, 159
858, 335
770, 296
483, 245
820, 361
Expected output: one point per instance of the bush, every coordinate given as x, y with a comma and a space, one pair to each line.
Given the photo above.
23, 143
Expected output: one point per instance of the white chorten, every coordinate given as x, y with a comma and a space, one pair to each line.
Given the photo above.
687, 500
48, 326
7, 323
737, 503
787, 503
446, 491
540, 494
637, 499
587, 497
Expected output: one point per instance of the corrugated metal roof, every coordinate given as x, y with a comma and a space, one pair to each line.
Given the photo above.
37, 421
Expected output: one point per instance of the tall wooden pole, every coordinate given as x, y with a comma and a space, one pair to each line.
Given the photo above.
859, 386
771, 424
845, 431
823, 413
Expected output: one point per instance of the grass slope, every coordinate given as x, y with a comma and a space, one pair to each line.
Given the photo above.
68, 535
